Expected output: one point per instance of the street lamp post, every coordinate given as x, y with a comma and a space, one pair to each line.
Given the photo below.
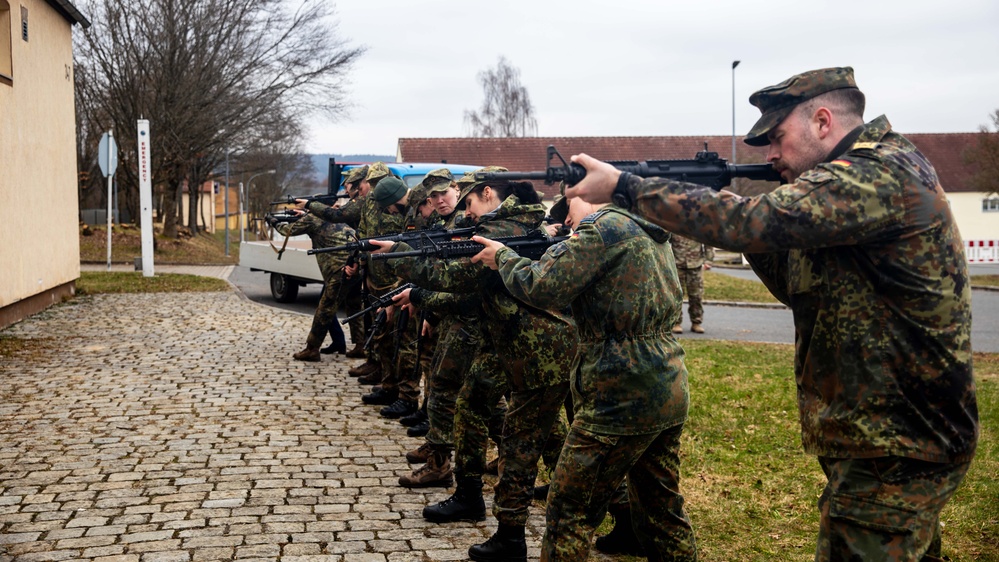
249, 184
735, 63
227, 201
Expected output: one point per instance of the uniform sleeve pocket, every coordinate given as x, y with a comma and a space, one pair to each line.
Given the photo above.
874, 515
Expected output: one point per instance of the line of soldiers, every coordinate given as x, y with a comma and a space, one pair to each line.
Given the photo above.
859, 243
501, 367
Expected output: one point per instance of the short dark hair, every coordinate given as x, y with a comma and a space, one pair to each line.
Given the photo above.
850, 102
524, 190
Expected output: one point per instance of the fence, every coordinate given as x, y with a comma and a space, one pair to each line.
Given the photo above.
982, 251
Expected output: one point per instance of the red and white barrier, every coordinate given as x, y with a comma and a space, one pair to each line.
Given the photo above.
982, 251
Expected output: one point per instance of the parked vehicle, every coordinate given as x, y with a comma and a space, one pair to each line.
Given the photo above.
296, 268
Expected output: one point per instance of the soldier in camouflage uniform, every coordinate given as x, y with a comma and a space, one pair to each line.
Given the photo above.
352, 181
862, 246
630, 396
367, 216
527, 348
692, 258
323, 235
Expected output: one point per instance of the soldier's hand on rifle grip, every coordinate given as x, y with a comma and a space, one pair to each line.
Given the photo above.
428, 330
599, 183
300, 203
487, 256
389, 312
350, 270
384, 246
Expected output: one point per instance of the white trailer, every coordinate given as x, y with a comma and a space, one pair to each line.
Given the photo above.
295, 269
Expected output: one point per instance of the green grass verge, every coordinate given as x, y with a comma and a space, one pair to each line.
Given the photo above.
722, 287
751, 490
986, 280
95, 282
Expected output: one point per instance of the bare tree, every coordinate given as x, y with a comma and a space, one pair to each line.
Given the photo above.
506, 110
986, 156
209, 75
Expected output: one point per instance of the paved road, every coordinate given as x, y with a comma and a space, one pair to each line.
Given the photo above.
724, 322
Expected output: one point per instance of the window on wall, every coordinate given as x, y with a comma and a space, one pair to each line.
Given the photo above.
990, 205
6, 65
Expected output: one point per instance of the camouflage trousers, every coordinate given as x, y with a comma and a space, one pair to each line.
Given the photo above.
451, 361
398, 357
352, 304
590, 470
324, 320
526, 430
479, 412
885, 508
692, 281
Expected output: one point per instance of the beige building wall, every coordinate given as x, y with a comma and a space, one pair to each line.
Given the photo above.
975, 224
40, 252
206, 209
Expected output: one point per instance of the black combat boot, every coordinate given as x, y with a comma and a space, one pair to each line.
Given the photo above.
507, 544
399, 408
621, 539
465, 505
380, 397
420, 429
415, 418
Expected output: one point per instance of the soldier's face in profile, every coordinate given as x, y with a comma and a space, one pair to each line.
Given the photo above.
425, 208
364, 188
578, 210
794, 145
478, 204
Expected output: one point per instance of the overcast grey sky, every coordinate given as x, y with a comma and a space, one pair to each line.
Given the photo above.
644, 67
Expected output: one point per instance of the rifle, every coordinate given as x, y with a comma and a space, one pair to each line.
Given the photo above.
529, 246
414, 238
281, 217
324, 198
376, 327
705, 169
379, 302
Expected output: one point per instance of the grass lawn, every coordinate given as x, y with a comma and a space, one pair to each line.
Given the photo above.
94, 282
751, 491
722, 287
987, 280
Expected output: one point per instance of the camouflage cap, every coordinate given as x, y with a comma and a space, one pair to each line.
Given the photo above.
777, 102
438, 180
418, 195
560, 209
470, 183
356, 174
377, 170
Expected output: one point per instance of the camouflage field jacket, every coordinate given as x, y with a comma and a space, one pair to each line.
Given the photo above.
865, 251
324, 235
617, 273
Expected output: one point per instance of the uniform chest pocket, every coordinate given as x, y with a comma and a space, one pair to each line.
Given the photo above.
804, 272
